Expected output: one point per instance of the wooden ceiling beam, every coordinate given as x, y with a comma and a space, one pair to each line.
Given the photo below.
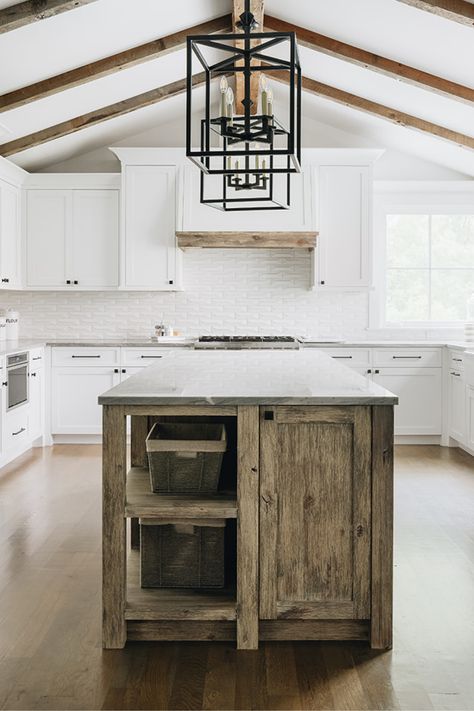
400, 118
458, 10
24, 13
374, 62
256, 8
109, 65
98, 116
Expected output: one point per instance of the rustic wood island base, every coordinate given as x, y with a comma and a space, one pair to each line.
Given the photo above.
312, 505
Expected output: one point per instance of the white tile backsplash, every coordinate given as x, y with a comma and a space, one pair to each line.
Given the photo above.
229, 291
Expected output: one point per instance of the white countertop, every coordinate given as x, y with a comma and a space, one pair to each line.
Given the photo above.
298, 377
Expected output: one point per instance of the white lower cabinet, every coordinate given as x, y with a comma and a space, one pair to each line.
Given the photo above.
15, 432
36, 397
419, 410
469, 403
457, 406
74, 394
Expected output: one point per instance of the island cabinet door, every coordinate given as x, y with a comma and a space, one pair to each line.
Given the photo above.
315, 512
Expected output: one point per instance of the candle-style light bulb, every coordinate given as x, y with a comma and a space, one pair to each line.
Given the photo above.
224, 85
230, 105
269, 102
263, 92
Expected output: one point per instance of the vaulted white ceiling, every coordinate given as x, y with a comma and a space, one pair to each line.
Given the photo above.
386, 27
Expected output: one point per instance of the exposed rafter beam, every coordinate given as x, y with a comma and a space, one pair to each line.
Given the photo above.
369, 60
385, 112
98, 116
458, 10
256, 8
24, 13
109, 65
178, 87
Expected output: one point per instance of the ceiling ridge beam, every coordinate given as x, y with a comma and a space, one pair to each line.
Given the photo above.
120, 108
109, 65
154, 96
372, 61
24, 13
458, 10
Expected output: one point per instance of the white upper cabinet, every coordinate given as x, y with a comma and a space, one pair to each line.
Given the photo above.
343, 255
47, 224
149, 219
94, 246
71, 236
9, 235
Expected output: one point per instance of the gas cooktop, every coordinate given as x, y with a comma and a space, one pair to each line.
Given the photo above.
236, 342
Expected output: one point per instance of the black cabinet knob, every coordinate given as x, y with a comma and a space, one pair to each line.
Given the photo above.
116, 370
268, 415
123, 370
75, 281
68, 281
171, 281
322, 283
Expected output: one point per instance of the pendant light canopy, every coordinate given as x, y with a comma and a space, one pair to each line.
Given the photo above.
246, 152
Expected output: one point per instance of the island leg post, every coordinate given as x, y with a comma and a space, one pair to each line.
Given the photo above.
247, 526
138, 458
114, 630
382, 527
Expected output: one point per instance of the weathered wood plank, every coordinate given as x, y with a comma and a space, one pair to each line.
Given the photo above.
382, 527
268, 518
181, 410
24, 13
311, 610
113, 528
314, 630
247, 526
109, 65
372, 61
120, 108
458, 10
293, 414
361, 492
181, 631
400, 118
139, 429
256, 8
269, 240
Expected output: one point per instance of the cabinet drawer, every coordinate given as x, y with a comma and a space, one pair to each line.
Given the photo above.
456, 360
16, 427
85, 355
350, 356
143, 356
408, 357
36, 358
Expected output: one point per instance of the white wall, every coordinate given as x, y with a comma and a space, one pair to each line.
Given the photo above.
227, 291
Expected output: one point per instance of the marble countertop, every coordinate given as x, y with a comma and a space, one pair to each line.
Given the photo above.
24, 344
119, 343
301, 377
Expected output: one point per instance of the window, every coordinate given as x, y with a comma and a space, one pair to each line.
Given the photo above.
429, 267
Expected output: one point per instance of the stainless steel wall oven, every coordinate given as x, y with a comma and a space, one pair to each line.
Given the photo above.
17, 380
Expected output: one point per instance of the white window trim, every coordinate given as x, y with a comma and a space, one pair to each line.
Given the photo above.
456, 197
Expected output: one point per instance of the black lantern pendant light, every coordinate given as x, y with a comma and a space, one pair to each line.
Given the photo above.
246, 157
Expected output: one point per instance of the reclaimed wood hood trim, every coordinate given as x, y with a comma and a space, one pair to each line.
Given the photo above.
256, 240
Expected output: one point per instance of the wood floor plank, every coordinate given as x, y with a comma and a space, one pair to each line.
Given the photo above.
50, 609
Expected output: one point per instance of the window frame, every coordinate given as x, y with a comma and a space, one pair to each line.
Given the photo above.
456, 198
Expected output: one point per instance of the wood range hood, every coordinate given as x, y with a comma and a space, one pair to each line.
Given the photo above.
255, 240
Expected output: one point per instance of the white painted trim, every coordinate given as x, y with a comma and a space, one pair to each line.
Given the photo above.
423, 186
11, 172
72, 181
417, 439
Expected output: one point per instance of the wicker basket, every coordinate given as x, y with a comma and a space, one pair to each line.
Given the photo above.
184, 553
185, 458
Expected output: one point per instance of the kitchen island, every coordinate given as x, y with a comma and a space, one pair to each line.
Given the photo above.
308, 494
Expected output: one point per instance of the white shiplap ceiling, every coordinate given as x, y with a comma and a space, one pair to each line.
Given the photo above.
386, 27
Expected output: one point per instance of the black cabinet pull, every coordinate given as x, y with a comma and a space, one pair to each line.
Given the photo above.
322, 283
75, 281
268, 415
22, 429
376, 371
37, 358
33, 375
85, 356
116, 370
457, 375
150, 356
343, 357
171, 281
5, 281
123, 370
407, 357
5, 384
458, 360
68, 281
369, 370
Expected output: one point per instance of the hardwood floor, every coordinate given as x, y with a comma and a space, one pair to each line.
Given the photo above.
50, 653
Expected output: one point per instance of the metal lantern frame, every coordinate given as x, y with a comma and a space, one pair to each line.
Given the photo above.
240, 131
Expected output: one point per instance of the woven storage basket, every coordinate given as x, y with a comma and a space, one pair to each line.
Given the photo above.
185, 458
182, 554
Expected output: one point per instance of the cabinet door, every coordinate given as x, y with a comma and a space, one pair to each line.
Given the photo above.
48, 223
342, 256
74, 407
315, 471
420, 393
93, 250
150, 232
9, 235
457, 407
36, 395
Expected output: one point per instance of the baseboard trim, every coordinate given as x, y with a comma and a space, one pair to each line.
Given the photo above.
417, 439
